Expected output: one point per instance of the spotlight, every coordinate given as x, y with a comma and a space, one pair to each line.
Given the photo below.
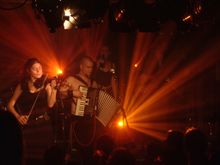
119, 15
187, 18
59, 71
119, 19
73, 17
120, 123
136, 65
70, 22
68, 12
67, 25
70, 18
197, 8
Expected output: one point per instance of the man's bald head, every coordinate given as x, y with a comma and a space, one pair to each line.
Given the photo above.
86, 66
85, 59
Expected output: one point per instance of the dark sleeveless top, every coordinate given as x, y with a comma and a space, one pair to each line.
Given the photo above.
26, 101
103, 78
37, 134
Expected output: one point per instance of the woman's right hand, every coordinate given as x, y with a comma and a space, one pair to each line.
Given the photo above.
23, 119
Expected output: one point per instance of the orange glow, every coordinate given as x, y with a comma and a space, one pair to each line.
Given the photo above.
33, 39
120, 15
68, 12
135, 65
187, 18
67, 24
198, 9
59, 71
151, 95
120, 123
152, 98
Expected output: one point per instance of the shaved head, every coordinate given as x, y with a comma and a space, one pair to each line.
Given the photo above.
86, 66
85, 59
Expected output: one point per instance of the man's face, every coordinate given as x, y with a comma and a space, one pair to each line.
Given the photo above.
86, 67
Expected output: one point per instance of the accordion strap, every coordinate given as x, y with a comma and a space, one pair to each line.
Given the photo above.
80, 79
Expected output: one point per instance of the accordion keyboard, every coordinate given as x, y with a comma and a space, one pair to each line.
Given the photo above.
82, 102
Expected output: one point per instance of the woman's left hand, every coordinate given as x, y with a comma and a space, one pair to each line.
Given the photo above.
53, 84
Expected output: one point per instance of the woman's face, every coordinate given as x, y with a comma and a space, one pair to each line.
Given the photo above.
36, 71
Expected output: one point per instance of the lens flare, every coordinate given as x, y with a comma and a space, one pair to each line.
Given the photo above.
120, 123
59, 71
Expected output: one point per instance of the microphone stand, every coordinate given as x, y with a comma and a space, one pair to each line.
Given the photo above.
124, 116
60, 106
121, 108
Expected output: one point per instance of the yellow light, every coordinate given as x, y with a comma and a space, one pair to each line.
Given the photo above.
59, 72
120, 15
136, 65
198, 9
67, 24
120, 123
68, 12
187, 18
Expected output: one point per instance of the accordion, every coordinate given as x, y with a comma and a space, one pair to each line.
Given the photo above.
87, 104
107, 108
96, 102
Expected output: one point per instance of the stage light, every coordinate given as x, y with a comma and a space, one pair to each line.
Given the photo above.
70, 18
194, 10
187, 18
70, 22
67, 25
119, 15
198, 7
59, 71
73, 17
68, 12
136, 65
120, 123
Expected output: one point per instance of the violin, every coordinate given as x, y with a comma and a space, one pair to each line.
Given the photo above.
44, 80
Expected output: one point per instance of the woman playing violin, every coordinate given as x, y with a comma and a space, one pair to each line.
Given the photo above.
30, 104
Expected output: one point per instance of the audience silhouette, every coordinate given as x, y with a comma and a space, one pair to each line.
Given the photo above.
174, 149
189, 148
196, 147
121, 155
11, 143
